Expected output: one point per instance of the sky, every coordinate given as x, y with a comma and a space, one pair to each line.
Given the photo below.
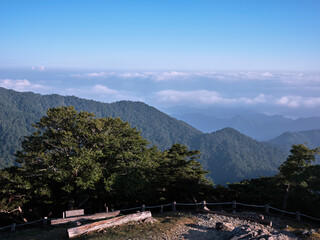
262, 55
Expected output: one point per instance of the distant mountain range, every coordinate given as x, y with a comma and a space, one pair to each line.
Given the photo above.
228, 155
256, 125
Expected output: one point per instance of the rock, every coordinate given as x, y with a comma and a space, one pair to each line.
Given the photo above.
312, 231
227, 226
150, 220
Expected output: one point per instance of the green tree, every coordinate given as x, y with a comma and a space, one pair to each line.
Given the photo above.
71, 153
291, 171
182, 176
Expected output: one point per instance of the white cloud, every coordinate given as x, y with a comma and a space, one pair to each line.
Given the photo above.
103, 89
40, 69
102, 93
88, 75
204, 97
165, 76
298, 101
267, 74
20, 85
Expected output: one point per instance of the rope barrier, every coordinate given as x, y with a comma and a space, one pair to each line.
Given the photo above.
167, 205
153, 206
249, 205
128, 209
283, 211
5, 227
313, 218
188, 204
226, 203
178, 204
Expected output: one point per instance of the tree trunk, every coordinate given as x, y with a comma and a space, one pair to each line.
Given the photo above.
285, 198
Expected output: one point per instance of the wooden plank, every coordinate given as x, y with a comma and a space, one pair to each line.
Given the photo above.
85, 217
73, 213
77, 231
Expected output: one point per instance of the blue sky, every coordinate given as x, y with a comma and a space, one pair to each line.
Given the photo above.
258, 54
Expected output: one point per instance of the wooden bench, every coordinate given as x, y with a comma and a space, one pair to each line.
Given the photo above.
73, 213
96, 216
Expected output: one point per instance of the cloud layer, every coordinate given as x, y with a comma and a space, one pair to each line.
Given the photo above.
286, 77
20, 85
200, 97
204, 97
274, 91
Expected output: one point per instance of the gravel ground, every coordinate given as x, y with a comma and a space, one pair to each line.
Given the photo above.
234, 229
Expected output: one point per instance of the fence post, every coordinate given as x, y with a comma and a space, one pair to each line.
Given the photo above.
143, 208
106, 207
298, 215
204, 203
234, 206
161, 209
266, 208
174, 204
64, 215
13, 227
45, 221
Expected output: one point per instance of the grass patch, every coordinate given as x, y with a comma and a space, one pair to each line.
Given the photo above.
166, 222
134, 230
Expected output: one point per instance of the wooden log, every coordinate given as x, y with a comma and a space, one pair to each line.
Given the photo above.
85, 217
73, 213
77, 231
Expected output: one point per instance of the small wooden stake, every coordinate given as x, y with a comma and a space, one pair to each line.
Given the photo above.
234, 206
143, 208
174, 206
266, 208
13, 227
45, 221
204, 203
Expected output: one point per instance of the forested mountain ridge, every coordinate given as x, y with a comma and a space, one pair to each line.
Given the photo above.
246, 157
287, 139
19, 110
227, 154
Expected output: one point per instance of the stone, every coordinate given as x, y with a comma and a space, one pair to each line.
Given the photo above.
227, 226
150, 220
